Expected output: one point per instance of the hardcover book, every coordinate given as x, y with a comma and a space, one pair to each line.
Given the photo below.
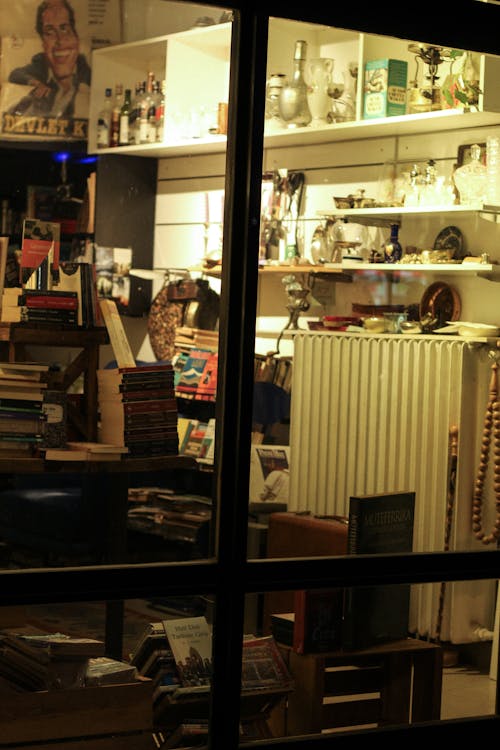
318, 620
380, 523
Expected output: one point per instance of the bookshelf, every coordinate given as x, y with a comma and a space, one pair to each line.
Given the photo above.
14, 337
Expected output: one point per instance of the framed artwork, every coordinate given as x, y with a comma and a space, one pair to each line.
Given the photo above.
463, 155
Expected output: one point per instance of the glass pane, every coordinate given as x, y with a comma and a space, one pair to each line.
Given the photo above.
56, 660
353, 396
352, 658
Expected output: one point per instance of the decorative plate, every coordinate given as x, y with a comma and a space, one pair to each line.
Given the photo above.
441, 303
451, 239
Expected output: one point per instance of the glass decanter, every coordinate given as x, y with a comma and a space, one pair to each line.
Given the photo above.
471, 179
293, 105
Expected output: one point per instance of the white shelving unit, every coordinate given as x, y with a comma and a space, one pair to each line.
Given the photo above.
472, 269
195, 67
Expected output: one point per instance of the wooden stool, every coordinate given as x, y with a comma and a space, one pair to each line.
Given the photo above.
394, 683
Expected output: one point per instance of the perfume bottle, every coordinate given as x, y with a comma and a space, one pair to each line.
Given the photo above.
293, 104
471, 179
392, 249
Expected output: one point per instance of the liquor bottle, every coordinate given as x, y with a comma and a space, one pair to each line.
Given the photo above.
392, 249
293, 105
147, 101
104, 121
124, 119
114, 139
160, 113
135, 112
153, 103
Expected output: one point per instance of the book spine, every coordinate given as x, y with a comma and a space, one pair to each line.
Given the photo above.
55, 410
145, 395
19, 413
166, 405
21, 403
25, 426
15, 437
299, 606
353, 527
139, 369
48, 303
152, 418
51, 294
48, 314
147, 385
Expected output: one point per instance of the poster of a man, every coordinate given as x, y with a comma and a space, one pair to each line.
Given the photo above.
56, 74
45, 72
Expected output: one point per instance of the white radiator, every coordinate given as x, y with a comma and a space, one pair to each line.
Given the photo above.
372, 415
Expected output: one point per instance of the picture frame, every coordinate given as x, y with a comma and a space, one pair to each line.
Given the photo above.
464, 155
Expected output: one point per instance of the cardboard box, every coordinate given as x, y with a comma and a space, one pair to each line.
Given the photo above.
82, 712
385, 88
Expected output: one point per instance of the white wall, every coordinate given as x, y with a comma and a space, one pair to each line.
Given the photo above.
143, 19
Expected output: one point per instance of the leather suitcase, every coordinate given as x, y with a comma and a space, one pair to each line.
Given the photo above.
300, 535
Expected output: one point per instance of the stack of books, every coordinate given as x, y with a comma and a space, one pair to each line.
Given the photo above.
45, 661
187, 338
39, 306
22, 415
138, 409
181, 518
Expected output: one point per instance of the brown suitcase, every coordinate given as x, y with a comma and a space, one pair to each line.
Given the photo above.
300, 535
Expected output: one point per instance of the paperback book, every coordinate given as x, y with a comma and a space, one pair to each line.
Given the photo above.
263, 666
190, 639
192, 372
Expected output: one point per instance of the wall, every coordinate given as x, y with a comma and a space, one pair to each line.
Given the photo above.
151, 18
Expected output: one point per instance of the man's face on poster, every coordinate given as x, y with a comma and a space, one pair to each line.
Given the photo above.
60, 41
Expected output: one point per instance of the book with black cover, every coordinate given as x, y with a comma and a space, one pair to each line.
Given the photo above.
381, 523
318, 620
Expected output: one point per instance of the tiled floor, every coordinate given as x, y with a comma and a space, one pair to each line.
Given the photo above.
466, 692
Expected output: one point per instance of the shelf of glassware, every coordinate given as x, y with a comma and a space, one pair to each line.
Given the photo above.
394, 214
427, 122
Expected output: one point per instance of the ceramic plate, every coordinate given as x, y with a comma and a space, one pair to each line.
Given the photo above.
451, 238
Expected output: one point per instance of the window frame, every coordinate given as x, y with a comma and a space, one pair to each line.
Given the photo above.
229, 575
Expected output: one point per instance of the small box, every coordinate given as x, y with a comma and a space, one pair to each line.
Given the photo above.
385, 88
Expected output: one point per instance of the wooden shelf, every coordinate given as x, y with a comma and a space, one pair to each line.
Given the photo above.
475, 269
40, 466
270, 270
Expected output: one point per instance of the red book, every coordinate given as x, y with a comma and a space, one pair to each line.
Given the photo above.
141, 406
318, 620
56, 303
207, 386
